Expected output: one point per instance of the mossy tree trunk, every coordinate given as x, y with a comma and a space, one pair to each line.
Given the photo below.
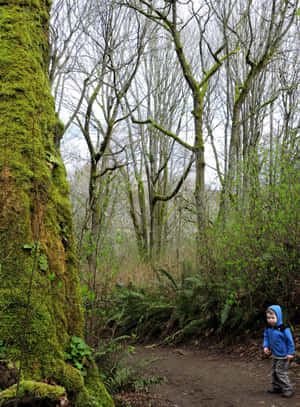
40, 308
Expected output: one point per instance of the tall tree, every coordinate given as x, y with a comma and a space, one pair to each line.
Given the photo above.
260, 35
158, 93
40, 306
174, 18
90, 85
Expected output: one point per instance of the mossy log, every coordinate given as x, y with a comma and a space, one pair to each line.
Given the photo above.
34, 394
40, 304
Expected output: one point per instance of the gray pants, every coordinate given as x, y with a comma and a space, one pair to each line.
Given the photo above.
280, 379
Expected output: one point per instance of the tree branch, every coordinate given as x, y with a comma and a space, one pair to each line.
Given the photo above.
164, 131
165, 198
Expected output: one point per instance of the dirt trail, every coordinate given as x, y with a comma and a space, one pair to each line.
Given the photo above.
203, 378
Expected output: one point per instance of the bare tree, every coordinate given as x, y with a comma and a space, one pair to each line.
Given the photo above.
260, 36
245, 90
171, 17
150, 151
113, 47
66, 42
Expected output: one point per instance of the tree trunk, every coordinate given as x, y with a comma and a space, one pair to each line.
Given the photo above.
40, 307
200, 166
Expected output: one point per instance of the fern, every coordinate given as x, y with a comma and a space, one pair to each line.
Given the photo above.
225, 313
117, 374
169, 277
149, 381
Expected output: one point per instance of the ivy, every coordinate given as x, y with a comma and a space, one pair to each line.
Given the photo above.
43, 263
79, 354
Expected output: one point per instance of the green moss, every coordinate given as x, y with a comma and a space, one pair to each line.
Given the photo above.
34, 389
32, 195
30, 3
71, 379
81, 390
96, 388
34, 207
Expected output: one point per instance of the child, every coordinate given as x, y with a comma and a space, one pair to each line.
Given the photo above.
278, 340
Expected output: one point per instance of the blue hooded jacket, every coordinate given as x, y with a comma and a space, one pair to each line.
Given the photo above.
280, 343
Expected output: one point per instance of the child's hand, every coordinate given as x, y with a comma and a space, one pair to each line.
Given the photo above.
267, 351
289, 357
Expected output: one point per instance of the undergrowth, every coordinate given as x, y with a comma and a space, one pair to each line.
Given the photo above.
198, 305
246, 268
118, 371
245, 264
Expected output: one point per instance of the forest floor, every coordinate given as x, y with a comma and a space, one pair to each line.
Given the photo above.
213, 376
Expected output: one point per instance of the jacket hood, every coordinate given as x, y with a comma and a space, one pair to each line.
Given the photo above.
278, 312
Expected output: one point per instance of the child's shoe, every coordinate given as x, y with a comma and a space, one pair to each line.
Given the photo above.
288, 394
274, 390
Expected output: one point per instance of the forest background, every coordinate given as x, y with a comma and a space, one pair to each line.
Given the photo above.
182, 148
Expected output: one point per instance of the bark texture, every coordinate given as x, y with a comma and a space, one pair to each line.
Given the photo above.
40, 307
